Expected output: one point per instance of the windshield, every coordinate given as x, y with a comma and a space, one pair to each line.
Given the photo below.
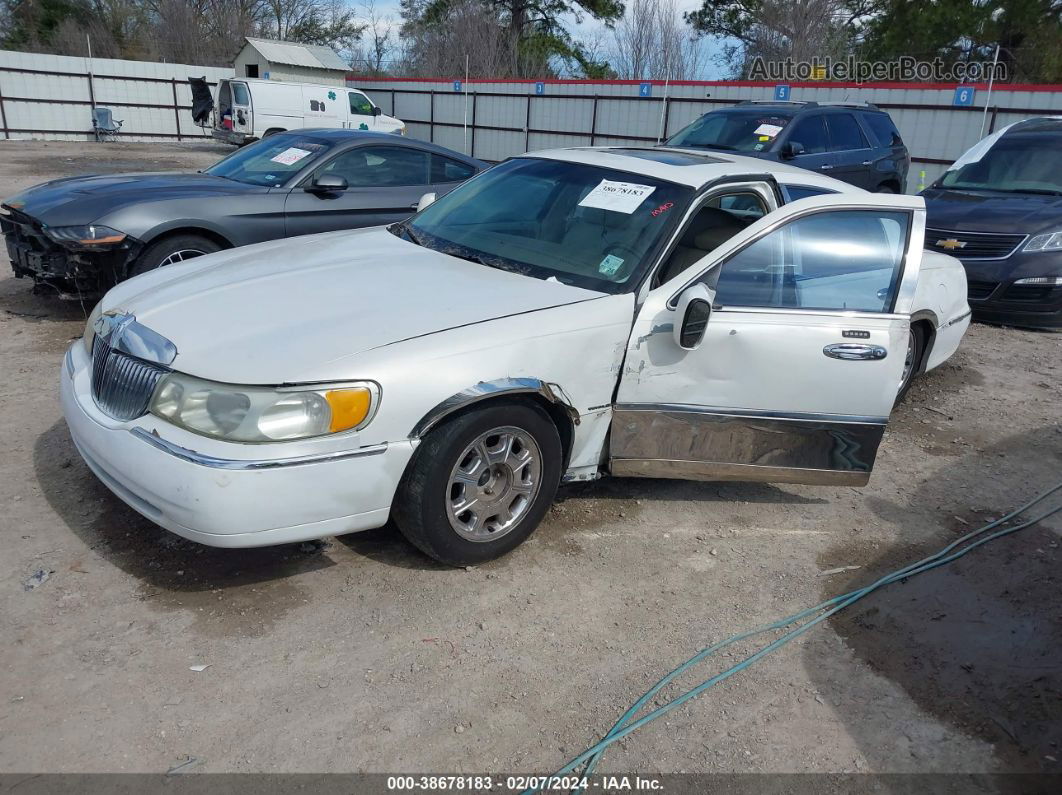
733, 130
1015, 164
582, 225
272, 161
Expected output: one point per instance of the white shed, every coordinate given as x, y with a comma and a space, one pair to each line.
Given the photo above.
291, 62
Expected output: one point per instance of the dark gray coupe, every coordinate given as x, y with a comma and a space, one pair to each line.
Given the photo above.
83, 234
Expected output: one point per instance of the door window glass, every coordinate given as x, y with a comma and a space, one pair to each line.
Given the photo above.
811, 133
380, 166
359, 104
443, 169
240, 93
838, 260
845, 133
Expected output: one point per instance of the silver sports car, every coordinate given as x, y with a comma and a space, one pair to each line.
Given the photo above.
83, 234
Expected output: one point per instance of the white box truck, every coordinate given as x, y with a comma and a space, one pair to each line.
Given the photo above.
249, 109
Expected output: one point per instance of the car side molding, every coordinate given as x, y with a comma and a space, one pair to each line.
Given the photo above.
489, 389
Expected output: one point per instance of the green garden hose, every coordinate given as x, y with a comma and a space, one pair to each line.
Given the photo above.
813, 615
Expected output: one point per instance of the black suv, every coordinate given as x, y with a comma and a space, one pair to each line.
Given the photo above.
855, 143
998, 208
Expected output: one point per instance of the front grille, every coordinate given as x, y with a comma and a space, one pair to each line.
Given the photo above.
979, 291
122, 385
972, 245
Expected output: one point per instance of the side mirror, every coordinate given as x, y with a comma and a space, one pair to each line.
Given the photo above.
376, 111
691, 316
425, 200
328, 183
791, 149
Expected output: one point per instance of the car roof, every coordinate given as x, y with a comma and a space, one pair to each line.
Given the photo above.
1039, 124
696, 169
342, 135
799, 106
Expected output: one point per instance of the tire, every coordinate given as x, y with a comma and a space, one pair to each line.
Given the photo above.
885, 189
170, 250
272, 131
448, 472
916, 345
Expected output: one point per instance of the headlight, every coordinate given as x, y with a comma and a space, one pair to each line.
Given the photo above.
90, 332
263, 414
1051, 241
400, 131
89, 236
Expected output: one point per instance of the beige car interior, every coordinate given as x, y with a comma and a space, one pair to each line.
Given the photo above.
720, 218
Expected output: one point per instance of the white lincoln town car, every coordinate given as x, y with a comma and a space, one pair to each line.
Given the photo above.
565, 315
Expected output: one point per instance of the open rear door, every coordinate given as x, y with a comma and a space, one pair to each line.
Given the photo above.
790, 368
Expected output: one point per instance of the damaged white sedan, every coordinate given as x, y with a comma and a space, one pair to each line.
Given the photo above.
562, 316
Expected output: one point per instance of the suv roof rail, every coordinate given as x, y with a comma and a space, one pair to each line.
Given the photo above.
778, 102
812, 104
849, 104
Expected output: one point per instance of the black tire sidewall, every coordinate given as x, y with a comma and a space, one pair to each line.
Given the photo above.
420, 504
920, 346
158, 251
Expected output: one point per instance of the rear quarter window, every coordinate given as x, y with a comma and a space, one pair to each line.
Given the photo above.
883, 129
795, 192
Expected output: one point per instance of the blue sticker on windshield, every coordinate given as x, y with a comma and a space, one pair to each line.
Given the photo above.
609, 265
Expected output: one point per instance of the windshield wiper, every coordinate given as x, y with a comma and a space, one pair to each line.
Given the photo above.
501, 265
721, 147
404, 228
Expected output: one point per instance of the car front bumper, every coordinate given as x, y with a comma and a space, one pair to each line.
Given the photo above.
229, 502
995, 297
72, 273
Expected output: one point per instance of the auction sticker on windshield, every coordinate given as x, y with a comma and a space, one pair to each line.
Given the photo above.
770, 130
620, 197
290, 156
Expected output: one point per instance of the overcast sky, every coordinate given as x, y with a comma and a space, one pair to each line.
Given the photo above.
588, 29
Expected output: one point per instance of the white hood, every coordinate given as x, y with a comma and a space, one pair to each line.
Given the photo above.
287, 311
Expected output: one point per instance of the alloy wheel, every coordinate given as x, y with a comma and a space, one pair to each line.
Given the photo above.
494, 483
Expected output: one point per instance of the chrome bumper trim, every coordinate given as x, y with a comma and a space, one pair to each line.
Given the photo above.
214, 462
958, 319
790, 416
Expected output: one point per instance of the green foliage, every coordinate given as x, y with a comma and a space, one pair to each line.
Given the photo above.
32, 21
1029, 32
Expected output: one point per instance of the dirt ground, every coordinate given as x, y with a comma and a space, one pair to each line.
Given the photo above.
362, 655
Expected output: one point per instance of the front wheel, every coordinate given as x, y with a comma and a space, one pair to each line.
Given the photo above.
171, 250
479, 484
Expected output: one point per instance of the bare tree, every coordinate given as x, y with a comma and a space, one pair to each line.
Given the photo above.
779, 29
471, 30
377, 44
653, 42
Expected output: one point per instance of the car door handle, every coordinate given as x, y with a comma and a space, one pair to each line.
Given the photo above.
867, 162
825, 167
849, 351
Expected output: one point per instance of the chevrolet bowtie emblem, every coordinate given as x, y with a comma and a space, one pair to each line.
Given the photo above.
951, 243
